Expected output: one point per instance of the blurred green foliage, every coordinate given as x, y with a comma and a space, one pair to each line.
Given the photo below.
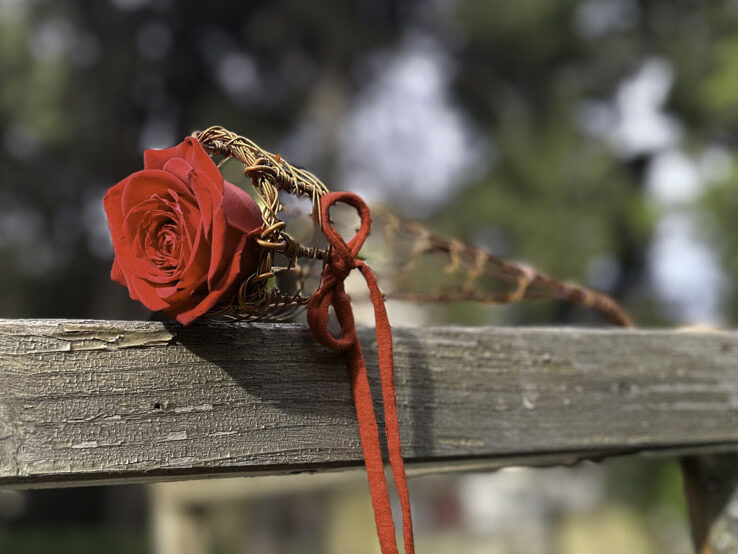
83, 86
71, 540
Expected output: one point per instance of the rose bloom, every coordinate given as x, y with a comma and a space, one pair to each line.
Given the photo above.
183, 237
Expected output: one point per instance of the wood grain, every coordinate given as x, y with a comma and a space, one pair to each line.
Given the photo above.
99, 401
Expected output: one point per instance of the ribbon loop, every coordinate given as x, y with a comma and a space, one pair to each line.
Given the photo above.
332, 293
352, 248
317, 317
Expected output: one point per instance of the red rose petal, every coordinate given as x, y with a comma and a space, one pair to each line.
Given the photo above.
179, 168
251, 254
146, 294
166, 292
116, 274
191, 151
218, 293
141, 186
112, 203
240, 209
155, 159
209, 197
221, 247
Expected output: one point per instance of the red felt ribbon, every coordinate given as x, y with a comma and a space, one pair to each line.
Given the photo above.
332, 293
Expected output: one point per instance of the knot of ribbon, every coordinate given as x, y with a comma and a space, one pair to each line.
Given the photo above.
341, 262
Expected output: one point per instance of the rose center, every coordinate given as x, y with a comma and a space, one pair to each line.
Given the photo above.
167, 239
163, 244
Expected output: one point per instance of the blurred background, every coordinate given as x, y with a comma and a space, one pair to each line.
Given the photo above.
593, 139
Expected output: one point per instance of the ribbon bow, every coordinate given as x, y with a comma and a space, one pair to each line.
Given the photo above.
332, 293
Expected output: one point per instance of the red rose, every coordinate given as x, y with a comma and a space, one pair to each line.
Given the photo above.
183, 237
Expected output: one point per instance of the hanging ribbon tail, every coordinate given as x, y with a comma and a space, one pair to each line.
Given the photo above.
332, 293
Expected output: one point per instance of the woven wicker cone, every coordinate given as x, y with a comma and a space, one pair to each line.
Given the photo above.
477, 267
258, 298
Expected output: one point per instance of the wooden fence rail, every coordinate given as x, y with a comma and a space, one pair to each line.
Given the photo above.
99, 401
92, 402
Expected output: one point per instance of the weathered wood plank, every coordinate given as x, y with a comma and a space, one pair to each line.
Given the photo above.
93, 401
